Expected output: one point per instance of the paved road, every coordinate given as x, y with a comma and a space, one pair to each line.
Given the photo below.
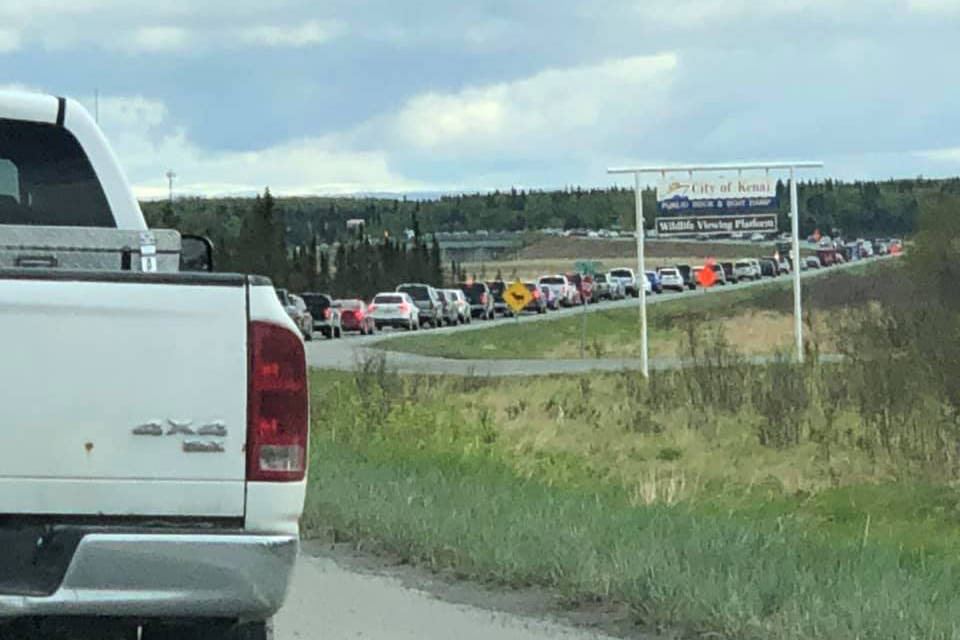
345, 353
330, 601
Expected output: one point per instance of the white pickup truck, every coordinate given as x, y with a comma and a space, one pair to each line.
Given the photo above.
153, 425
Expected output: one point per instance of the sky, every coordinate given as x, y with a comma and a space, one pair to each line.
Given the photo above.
427, 96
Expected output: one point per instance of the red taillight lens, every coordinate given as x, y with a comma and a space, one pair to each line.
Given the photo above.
326, 313
483, 298
536, 295
277, 406
372, 308
404, 307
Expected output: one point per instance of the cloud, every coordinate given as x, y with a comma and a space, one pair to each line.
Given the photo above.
155, 39
148, 142
9, 40
552, 105
310, 33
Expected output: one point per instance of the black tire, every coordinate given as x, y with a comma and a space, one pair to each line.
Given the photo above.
339, 332
308, 336
327, 333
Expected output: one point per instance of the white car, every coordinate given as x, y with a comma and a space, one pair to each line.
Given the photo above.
746, 270
627, 278
757, 237
395, 309
560, 287
670, 278
461, 303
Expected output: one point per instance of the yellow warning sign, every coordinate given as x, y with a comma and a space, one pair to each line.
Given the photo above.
517, 296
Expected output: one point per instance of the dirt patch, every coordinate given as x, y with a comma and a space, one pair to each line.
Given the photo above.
624, 248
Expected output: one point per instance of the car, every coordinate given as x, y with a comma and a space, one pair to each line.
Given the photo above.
480, 299
584, 286
721, 277
703, 237
768, 268
655, 285
355, 317
775, 261
497, 287
737, 235
298, 312
603, 290
812, 262
627, 278
539, 301
394, 309
866, 249
686, 272
729, 272
550, 297
757, 237
560, 288
784, 264
745, 270
670, 278
186, 396
617, 290
427, 300
464, 314
450, 307
326, 318
880, 248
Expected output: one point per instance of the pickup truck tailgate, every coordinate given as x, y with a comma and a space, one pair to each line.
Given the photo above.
123, 395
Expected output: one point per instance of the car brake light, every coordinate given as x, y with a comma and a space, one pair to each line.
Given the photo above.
404, 307
372, 308
483, 298
326, 313
277, 405
536, 295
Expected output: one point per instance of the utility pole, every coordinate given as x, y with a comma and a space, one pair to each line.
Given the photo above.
170, 176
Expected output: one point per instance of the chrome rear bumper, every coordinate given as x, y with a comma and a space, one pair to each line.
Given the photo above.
168, 575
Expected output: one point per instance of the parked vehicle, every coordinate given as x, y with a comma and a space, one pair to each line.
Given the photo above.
866, 249
721, 279
583, 285
427, 300
617, 290
627, 278
553, 302
464, 314
326, 318
745, 270
560, 288
686, 272
539, 302
729, 272
775, 261
880, 248
670, 278
703, 237
737, 235
812, 262
768, 268
394, 309
497, 287
355, 317
156, 422
480, 299
655, 285
450, 308
784, 265
757, 237
603, 290
298, 312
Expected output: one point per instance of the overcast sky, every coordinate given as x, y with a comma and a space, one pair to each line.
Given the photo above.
346, 96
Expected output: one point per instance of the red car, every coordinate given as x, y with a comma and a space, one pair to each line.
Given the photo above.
354, 316
584, 285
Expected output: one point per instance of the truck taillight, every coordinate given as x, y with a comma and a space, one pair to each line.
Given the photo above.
326, 313
277, 405
483, 299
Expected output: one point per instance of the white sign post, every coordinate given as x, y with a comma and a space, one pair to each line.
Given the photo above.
717, 196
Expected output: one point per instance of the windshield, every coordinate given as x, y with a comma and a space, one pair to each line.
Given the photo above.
419, 293
46, 178
552, 280
388, 299
621, 273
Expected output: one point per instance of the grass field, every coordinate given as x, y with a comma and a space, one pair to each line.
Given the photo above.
675, 510
756, 320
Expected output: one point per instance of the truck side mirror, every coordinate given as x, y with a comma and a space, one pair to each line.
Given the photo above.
196, 254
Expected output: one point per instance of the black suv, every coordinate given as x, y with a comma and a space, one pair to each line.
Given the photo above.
686, 272
480, 299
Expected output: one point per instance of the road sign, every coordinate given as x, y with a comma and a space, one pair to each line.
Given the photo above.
586, 267
517, 296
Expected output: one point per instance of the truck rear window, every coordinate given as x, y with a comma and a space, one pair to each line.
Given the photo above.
46, 178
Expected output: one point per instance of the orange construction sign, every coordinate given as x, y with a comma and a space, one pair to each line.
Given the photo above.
707, 277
